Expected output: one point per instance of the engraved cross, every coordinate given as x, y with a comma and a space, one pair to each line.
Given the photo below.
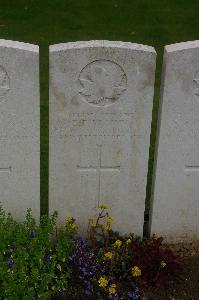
192, 168
99, 169
7, 170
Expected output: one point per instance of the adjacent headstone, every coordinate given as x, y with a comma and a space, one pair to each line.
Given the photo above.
175, 211
101, 96
19, 128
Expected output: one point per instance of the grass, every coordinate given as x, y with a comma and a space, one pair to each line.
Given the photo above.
45, 22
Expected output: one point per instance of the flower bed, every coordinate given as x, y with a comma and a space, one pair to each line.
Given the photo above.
50, 262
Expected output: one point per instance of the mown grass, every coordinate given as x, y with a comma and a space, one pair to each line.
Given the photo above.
45, 22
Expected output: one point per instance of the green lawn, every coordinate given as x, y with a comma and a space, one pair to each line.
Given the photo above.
45, 22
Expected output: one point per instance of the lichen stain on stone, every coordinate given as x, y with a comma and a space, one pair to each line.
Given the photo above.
149, 79
74, 100
118, 154
60, 97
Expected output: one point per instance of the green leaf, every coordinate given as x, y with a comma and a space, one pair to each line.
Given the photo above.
59, 267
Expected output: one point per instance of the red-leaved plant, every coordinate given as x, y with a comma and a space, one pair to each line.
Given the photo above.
156, 261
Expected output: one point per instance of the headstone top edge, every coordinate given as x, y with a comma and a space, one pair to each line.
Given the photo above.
182, 46
101, 43
19, 45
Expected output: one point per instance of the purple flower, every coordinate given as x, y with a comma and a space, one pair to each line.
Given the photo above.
133, 296
88, 285
86, 266
10, 263
88, 293
32, 233
47, 259
136, 295
115, 297
12, 248
62, 293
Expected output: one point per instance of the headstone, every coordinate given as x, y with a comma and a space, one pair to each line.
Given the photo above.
101, 96
19, 128
175, 212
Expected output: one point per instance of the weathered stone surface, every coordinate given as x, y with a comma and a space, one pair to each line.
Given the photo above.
175, 212
19, 128
101, 96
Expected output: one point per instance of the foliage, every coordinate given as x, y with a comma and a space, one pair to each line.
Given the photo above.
46, 261
108, 266
157, 262
33, 258
85, 271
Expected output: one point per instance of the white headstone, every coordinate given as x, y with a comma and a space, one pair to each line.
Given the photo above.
175, 212
101, 96
19, 128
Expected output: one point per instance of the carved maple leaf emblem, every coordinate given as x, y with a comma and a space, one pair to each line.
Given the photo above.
196, 81
102, 85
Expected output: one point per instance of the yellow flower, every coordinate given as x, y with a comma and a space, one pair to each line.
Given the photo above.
117, 244
110, 219
102, 282
163, 264
69, 219
128, 241
112, 289
93, 225
73, 226
103, 206
107, 227
108, 255
135, 271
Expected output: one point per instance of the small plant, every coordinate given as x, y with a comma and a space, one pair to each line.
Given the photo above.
85, 268
99, 262
108, 266
99, 230
47, 261
157, 263
33, 258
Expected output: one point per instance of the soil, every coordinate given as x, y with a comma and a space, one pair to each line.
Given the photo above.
186, 284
